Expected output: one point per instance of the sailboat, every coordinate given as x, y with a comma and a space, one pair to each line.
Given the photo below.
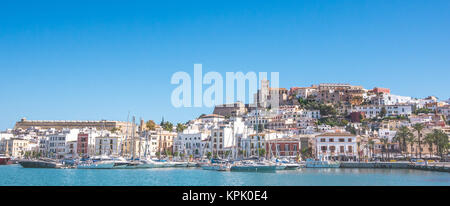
251, 166
100, 162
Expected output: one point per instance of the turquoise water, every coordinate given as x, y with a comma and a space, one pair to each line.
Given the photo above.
15, 175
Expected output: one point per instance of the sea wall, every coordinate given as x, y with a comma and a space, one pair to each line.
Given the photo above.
396, 165
441, 167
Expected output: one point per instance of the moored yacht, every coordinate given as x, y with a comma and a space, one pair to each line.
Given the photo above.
311, 163
102, 162
4, 160
253, 167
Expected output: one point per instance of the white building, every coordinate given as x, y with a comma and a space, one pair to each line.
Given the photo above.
107, 145
386, 133
304, 92
57, 142
192, 142
256, 142
336, 146
372, 111
391, 99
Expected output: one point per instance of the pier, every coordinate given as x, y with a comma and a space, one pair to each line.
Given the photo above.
441, 167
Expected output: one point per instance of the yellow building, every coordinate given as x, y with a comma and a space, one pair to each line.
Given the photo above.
16, 147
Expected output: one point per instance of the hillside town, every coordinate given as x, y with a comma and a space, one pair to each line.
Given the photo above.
338, 122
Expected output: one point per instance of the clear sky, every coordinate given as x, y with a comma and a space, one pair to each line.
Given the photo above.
91, 60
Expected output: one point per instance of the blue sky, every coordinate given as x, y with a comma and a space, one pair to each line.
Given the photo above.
93, 60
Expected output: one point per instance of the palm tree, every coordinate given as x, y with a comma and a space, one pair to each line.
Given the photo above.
402, 134
359, 153
411, 140
429, 139
180, 127
371, 147
384, 141
419, 127
441, 141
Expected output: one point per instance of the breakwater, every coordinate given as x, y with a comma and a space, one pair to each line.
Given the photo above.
394, 165
441, 167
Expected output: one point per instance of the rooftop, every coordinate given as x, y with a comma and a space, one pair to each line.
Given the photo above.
338, 134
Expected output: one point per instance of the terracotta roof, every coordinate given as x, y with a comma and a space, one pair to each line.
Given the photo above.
340, 134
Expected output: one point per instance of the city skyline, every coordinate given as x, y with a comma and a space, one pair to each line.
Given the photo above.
61, 60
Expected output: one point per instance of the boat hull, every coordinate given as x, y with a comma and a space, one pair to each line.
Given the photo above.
292, 167
5, 161
258, 168
96, 166
280, 167
322, 165
38, 164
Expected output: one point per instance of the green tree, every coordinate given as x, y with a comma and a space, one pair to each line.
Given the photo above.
383, 112
371, 147
441, 141
151, 125
429, 139
208, 155
262, 152
418, 128
384, 142
168, 126
115, 129
168, 153
411, 139
402, 133
180, 127
227, 153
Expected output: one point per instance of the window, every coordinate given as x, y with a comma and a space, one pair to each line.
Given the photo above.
332, 148
324, 148
349, 139
341, 140
331, 140
322, 140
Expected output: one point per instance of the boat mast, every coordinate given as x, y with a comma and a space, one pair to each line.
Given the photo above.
257, 131
140, 145
126, 137
133, 143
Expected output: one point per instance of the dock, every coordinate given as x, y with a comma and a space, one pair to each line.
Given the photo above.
440, 167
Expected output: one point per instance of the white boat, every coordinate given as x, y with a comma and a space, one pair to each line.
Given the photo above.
150, 164
97, 163
217, 167
292, 166
310, 163
280, 167
253, 167
180, 164
120, 163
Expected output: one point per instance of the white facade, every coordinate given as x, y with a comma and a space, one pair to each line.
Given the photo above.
331, 146
386, 133
57, 142
391, 99
372, 111
107, 145
192, 143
